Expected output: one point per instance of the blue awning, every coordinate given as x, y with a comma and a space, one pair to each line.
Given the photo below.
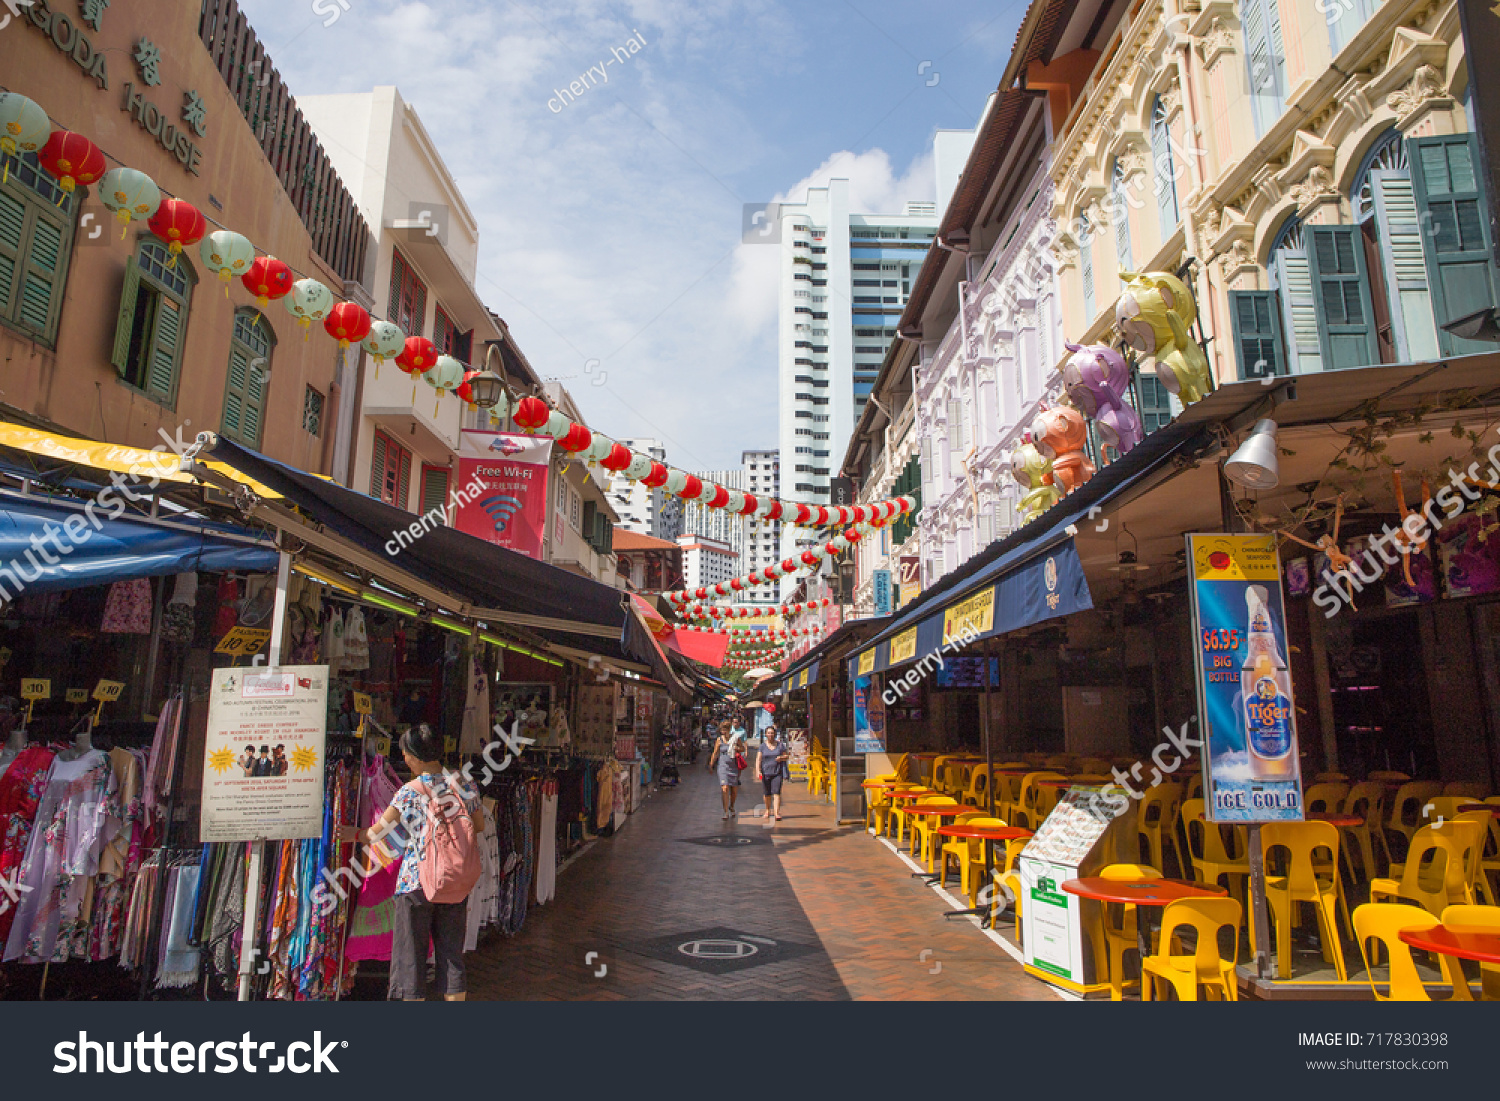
801, 677
50, 545
1032, 574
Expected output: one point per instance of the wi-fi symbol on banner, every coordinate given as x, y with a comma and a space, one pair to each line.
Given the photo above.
501, 509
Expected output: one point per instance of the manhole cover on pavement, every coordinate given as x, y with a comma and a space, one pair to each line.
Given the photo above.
727, 840
719, 950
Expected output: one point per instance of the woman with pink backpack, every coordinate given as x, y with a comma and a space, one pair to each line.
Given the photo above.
435, 820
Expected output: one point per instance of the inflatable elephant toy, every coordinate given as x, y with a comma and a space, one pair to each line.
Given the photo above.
1061, 434
1096, 379
1033, 473
1154, 315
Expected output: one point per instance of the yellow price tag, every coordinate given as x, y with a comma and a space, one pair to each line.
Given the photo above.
36, 688
5, 652
78, 695
380, 744
362, 704
241, 641
450, 745
108, 691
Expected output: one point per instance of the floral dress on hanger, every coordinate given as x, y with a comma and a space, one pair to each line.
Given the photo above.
21, 789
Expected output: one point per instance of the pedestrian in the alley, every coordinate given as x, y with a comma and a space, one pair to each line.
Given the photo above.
433, 812
771, 768
729, 758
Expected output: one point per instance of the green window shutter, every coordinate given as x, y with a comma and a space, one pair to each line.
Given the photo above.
377, 469
43, 259
435, 490
234, 392
1405, 264
121, 355
440, 330
1300, 311
403, 479
255, 403
161, 375
1257, 333
1155, 407
1451, 204
12, 233
1336, 261
398, 284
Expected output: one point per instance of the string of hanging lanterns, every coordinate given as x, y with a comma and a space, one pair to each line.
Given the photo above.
748, 611
810, 558
132, 196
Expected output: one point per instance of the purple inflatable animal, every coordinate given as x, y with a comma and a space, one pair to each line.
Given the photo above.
1096, 378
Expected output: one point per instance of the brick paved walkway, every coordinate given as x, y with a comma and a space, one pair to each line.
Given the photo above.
682, 905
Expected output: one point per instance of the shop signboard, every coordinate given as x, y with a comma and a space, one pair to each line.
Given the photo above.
1246, 711
880, 585
264, 753
624, 747
502, 494
974, 616
869, 717
1051, 922
904, 646
909, 578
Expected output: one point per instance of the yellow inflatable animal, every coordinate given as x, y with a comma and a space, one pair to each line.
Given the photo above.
1033, 473
1154, 315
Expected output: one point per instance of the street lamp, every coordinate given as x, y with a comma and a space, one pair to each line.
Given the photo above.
487, 387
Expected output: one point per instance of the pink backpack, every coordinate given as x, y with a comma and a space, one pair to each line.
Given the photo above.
450, 863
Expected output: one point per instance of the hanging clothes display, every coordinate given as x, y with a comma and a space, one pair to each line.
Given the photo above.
177, 618
127, 609
475, 734
56, 878
21, 789
177, 963
356, 642
546, 860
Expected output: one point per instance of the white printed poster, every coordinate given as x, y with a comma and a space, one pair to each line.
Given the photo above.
263, 760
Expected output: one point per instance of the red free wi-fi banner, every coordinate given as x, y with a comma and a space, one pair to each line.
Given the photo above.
501, 492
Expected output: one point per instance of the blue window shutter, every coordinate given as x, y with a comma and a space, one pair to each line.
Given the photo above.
1451, 205
1165, 172
1346, 327
1086, 266
1256, 321
1266, 58
1154, 404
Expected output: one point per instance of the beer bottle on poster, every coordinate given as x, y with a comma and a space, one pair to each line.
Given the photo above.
1266, 696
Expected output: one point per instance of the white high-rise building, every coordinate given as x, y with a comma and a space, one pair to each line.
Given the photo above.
760, 541
716, 523
647, 511
706, 561
844, 280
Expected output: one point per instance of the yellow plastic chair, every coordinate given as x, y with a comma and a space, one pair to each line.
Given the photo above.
1405, 815
953, 779
1094, 765
1156, 823
1025, 812
1302, 883
1483, 919
1330, 778
977, 792
1011, 881
1435, 874
1368, 801
1211, 858
1118, 924
957, 847
970, 854
1206, 967
1383, 923
1007, 788
923, 826
1324, 798
1192, 787
1489, 858
1059, 761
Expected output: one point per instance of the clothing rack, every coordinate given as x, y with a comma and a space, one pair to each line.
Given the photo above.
174, 692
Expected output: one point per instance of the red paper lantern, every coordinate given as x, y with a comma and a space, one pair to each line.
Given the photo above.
349, 323
619, 458
718, 498
72, 158
692, 489
754, 579
803, 514
720, 589
829, 549
809, 558
463, 391
578, 439
701, 594
820, 516
656, 477
788, 565
751, 504
179, 224
776, 510
772, 573
854, 535
826, 602
735, 585
532, 413
268, 278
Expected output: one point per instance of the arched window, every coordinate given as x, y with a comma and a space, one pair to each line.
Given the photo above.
1265, 56
1086, 266
1166, 171
249, 379
1119, 206
1385, 209
152, 327
1345, 18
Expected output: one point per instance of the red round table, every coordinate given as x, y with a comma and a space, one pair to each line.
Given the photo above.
1493, 808
926, 810
1336, 819
1139, 892
983, 833
914, 793
1482, 945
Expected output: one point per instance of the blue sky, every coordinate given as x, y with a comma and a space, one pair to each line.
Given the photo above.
610, 229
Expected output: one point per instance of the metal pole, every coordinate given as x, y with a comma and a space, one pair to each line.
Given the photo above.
248, 944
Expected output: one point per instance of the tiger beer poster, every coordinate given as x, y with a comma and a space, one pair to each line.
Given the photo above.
503, 482
264, 754
1247, 719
